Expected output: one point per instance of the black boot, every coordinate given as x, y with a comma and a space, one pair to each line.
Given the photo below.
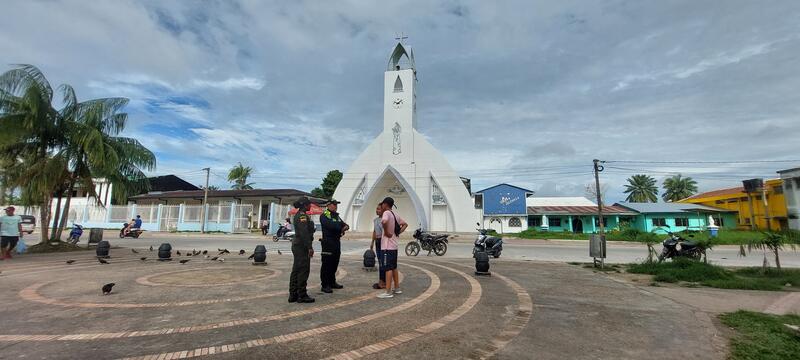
292, 298
337, 286
327, 290
305, 299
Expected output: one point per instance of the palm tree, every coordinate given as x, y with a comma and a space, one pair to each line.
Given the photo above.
238, 175
30, 128
678, 188
641, 189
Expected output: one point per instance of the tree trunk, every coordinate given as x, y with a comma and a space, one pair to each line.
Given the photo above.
777, 260
44, 218
65, 213
56, 216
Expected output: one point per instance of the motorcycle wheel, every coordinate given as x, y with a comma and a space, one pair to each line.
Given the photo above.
412, 249
136, 235
496, 255
440, 248
121, 235
662, 256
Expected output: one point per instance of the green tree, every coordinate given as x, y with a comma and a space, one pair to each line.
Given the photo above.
773, 242
678, 188
641, 189
238, 175
328, 186
210, 187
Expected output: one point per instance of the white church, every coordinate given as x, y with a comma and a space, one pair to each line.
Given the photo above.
402, 164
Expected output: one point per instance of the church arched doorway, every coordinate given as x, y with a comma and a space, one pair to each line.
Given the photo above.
391, 183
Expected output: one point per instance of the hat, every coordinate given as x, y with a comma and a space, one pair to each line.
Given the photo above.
333, 202
302, 201
388, 201
9, 208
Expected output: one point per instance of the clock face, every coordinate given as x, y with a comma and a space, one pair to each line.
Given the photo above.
397, 103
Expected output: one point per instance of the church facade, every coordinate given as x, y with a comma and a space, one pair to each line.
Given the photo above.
402, 164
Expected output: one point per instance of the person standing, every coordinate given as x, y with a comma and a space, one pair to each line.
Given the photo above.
393, 226
332, 230
10, 232
303, 252
377, 233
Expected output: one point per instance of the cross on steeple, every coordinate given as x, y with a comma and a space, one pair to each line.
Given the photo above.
400, 37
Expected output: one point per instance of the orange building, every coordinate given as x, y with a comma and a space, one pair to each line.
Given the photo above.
751, 214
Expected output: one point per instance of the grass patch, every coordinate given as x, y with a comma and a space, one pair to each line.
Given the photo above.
47, 248
684, 270
724, 237
762, 336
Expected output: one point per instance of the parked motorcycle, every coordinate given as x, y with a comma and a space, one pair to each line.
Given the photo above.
492, 245
283, 234
134, 233
676, 246
424, 240
75, 234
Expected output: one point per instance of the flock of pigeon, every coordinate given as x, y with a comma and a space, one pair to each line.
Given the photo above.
107, 287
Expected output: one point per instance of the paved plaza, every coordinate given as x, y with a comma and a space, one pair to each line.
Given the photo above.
232, 309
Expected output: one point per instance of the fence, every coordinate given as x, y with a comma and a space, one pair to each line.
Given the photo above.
223, 218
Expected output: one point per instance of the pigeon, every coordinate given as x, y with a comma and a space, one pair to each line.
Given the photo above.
251, 256
143, 258
214, 258
205, 252
221, 260
184, 261
218, 249
207, 256
102, 261
107, 288
178, 252
151, 247
134, 251
70, 261
224, 251
279, 252
195, 252
241, 252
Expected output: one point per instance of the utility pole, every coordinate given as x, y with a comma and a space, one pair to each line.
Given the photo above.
205, 202
602, 237
766, 206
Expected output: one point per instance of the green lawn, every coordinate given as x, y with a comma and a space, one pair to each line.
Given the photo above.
762, 336
699, 273
725, 237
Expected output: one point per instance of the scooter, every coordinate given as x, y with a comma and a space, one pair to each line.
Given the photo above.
284, 234
134, 233
492, 245
424, 240
675, 246
75, 234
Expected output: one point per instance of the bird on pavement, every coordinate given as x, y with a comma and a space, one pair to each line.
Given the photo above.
195, 252
184, 261
205, 252
218, 249
221, 260
251, 256
134, 251
143, 258
178, 252
70, 261
224, 251
107, 288
151, 247
279, 252
102, 261
241, 252
214, 258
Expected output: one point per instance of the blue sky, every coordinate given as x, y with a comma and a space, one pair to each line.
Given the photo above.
525, 92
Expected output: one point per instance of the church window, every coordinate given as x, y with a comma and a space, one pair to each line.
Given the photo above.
436, 196
398, 85
514, 222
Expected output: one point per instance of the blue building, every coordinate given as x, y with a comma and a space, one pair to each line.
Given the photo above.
660, 217
504, 207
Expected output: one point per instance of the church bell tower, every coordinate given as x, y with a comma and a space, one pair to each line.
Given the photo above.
400, 96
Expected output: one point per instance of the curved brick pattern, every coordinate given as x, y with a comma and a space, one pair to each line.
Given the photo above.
472, 300
432, 289
31, 293
514, 326
145, 280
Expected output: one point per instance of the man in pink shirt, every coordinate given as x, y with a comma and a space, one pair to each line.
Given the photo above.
393, 226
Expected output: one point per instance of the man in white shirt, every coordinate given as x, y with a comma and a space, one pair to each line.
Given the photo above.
10, 232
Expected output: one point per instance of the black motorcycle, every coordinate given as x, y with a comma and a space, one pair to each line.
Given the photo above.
676, 246
424, 240
492, 245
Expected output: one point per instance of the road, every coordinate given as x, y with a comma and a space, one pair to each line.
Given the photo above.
535, 250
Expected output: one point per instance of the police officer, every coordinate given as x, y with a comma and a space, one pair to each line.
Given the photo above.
332, 230
302, 251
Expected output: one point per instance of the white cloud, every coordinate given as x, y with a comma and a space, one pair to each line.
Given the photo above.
230, 84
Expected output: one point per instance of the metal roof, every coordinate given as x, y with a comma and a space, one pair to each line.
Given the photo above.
646, 208
578, 210
559, 201
222, 193
516, 187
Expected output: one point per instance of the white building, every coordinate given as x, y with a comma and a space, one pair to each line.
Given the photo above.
402, 164
791, 192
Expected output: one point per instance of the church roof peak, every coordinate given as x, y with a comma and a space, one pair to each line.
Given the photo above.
402, 58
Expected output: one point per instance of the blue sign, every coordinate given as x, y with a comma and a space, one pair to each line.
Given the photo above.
504, 199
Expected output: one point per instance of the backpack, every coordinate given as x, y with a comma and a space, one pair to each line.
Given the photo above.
369, 259
396, 224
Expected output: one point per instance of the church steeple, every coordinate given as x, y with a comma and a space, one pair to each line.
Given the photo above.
401, 58
400, 92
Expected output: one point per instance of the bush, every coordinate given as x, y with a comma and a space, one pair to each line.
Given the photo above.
681, 270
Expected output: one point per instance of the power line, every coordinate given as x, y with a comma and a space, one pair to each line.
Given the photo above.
700, 162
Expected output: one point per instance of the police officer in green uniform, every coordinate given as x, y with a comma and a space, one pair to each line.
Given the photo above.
302, 251
332, 230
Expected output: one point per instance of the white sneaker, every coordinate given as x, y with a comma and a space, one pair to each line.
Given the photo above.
397, 291
384, 295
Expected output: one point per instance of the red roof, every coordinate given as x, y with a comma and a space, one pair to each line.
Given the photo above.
721, 192
578, 210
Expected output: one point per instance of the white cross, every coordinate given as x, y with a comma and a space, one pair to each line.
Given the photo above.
401, 37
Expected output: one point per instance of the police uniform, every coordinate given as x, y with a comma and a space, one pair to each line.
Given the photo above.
301, 245
332, 228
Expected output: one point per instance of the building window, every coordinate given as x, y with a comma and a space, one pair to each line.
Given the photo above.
534, 221
479, 201
514, 222
719, 221
554, 222
777, 189
722, 201
605, 221
398, 85
681, 222
659, 221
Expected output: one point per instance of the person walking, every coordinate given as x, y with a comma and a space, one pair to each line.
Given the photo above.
377, 233
393, 226
332, 230
303, 252
10, 232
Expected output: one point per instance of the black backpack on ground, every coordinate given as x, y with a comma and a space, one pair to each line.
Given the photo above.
369, 259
